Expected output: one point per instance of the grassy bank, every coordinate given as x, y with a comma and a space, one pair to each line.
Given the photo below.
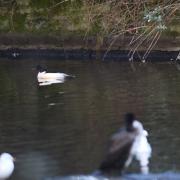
107, 17
145, 21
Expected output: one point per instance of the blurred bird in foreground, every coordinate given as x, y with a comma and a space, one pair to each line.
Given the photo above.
128, 143
6, 165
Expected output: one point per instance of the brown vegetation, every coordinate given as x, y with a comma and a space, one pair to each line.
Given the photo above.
144, 21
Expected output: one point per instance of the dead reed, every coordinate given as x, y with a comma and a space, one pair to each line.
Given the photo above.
144, 21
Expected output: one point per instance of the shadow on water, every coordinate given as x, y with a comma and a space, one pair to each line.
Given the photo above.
63, 129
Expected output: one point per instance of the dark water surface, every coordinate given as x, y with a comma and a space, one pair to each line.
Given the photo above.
63, 129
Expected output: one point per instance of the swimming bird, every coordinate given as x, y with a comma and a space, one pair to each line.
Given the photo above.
128, 143
6, 165
47, 78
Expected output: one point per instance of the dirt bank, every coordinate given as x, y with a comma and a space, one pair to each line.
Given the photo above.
26, 41
43, 46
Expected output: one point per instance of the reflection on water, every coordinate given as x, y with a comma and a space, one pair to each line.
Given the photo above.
46, 83
63, 129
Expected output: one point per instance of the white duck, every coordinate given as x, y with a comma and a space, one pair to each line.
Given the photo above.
46, 78
6, 165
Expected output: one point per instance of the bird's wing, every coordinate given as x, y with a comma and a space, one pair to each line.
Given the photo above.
120, 140
118, 153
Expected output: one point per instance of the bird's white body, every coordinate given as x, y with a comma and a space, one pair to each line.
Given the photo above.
51, 76
141, 149
6, 166
45, 78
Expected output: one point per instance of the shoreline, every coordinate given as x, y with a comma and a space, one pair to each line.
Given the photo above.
83, 54
42, 46
30, 41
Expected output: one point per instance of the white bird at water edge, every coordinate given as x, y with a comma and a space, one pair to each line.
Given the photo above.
6, 165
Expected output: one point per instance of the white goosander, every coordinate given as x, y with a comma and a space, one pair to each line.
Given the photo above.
6, 165
46, 78
130, 141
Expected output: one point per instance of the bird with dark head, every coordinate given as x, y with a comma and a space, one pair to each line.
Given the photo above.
47, 78
129, 118
39, 68
130, 141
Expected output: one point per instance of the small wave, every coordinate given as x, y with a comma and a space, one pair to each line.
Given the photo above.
77, 177
159, 176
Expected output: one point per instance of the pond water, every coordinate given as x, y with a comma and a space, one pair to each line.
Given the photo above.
63, 129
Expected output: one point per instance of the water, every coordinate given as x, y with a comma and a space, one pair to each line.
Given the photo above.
63, 129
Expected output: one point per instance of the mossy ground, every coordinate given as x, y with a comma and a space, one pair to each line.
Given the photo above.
65, 17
